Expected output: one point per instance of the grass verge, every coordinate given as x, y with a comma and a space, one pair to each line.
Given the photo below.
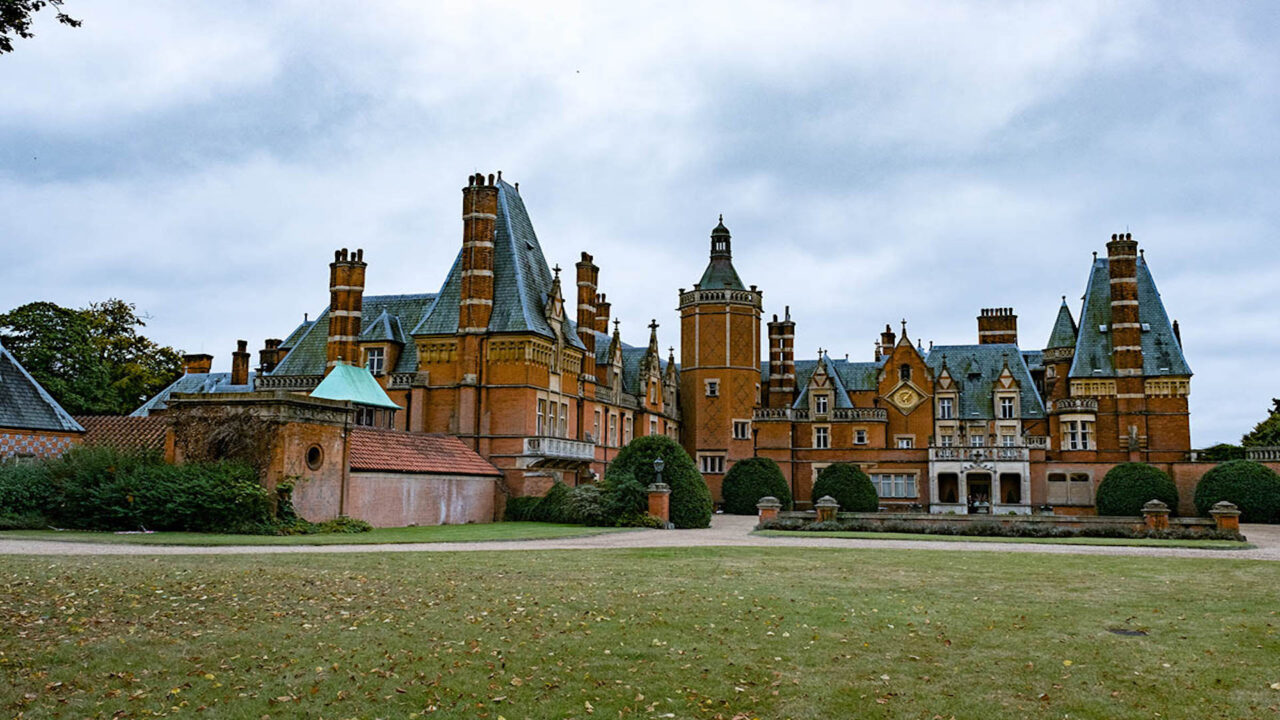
1134, 542
687, 633
478, 532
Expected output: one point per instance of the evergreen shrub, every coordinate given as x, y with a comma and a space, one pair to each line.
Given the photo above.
751, 479
690, 498
1126, 488
1252, 486
849, 486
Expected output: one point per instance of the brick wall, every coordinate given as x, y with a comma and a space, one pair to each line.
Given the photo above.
35, 443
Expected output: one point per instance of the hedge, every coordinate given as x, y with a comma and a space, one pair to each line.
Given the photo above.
95, 488
1253, 487
849, 486
1126, 488
690, 498
751, 479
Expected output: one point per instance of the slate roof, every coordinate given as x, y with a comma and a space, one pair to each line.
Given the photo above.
1161, 353
1034, 359
297, 334
125, 432
1064, 329
397, 451
521, 279
354, 384
854, 375
975, 370
385, 328
25, 405
197, 383
720, 273
308, 355
841, 392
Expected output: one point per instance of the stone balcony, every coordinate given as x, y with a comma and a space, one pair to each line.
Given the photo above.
839, 414
1263, 454
979, 454
557, 453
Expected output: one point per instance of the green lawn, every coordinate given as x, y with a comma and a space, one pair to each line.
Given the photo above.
684, 633
1150, 542
432, 534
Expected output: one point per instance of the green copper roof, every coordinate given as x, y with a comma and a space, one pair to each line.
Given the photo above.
521, 279
356, 384
1064, 329
1161, 354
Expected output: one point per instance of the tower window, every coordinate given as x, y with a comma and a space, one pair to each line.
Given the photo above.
741, 429
713, 388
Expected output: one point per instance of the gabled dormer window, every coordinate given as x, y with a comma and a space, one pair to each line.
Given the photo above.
1007, 409
946, 408
375, 359
820, 403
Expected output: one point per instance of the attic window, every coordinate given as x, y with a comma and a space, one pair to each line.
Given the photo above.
528, 244
1146, 327
1102, 328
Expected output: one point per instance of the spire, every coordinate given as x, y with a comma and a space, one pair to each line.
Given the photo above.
1064, 329
653, 337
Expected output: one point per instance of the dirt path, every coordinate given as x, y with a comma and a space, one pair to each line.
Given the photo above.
725, 531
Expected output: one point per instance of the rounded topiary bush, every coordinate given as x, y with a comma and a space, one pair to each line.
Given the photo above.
690, 497
1253, 487
1126, 488
751, 479
849, 486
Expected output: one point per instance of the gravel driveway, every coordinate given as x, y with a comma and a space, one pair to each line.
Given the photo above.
725, 531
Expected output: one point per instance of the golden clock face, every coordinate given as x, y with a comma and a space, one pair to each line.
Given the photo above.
905, 398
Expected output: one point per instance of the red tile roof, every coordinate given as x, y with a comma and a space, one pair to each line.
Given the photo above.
124, 432
395, 451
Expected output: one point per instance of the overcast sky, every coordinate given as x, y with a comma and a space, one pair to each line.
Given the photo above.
895, 160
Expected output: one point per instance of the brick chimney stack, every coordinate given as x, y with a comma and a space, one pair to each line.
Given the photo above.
602, 314
997, 326
1125, 331
346, 296
782, 361
588, 277
240, 364
197, 364
270, 355
888, 339
479, 215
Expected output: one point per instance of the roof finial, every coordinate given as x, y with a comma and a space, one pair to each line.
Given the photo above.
556, 270
616, 323
904, 327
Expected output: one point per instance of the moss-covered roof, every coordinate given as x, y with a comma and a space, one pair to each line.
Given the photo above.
1161, 354
975, 370
521, 279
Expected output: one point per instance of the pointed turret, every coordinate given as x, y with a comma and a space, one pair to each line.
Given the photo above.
1064, 329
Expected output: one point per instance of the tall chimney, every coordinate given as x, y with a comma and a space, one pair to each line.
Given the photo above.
270, 355
479, 215
602, 314
240, 364
997, 326
782, 361
1126, 337
197, 364
346, 298
887, 341
588, 276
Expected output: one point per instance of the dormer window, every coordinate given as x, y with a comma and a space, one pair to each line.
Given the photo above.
820, 404
1006, 408
946, 408
374, 360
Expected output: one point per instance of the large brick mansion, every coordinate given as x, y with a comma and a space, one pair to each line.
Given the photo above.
530, 376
